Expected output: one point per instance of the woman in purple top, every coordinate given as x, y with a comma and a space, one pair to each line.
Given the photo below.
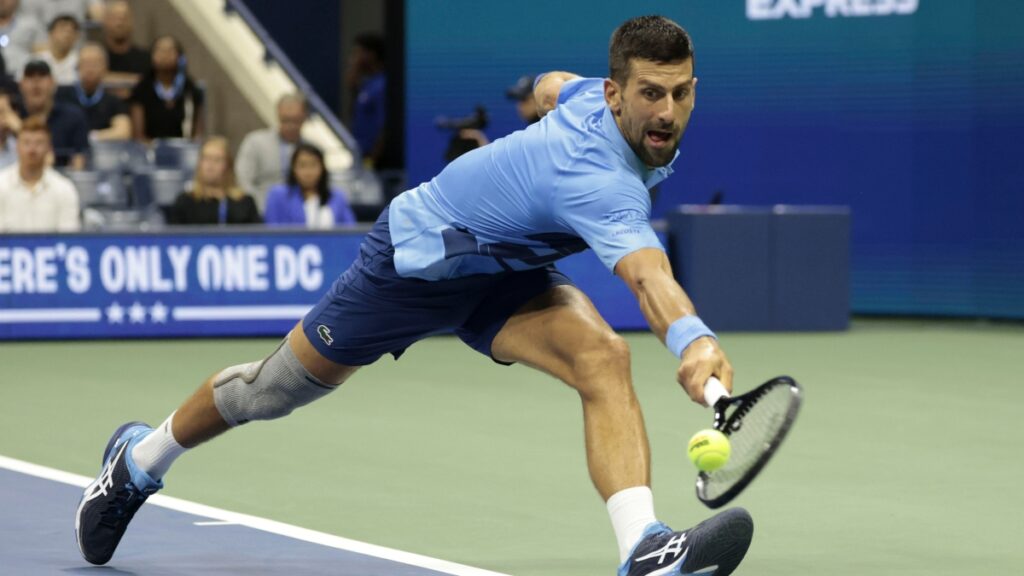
307, 200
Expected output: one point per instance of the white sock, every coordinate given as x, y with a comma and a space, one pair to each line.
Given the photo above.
155, 453
631, 511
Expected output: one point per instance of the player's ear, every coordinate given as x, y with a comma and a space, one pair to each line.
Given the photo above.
613, 96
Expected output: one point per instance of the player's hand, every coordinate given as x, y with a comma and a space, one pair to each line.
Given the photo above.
703, 359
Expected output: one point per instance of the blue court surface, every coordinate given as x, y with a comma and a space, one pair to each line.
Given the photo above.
172, 536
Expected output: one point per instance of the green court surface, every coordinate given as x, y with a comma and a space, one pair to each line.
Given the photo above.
906, 458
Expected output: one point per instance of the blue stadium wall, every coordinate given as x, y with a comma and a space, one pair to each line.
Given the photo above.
907, 111
308, 32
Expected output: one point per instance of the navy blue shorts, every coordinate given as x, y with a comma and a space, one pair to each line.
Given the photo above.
371, 310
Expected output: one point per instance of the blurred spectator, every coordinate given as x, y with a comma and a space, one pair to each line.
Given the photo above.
127, 61
264, 154
214, 197
33, 197
307, 200
105, 114
62, 51
8, 121
69, 132
367, 82
46, 10
20, 35
166, 103
522, 93
7, 83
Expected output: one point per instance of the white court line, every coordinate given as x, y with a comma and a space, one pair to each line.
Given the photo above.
257, 523
49, 315
214, 523
281, 312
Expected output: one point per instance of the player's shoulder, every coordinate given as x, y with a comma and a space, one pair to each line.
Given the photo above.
582, 88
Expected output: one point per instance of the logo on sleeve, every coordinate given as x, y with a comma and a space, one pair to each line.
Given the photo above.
325, 334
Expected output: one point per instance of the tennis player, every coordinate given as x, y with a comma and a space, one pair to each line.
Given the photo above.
471, 252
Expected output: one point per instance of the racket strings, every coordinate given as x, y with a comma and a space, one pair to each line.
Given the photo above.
752, 428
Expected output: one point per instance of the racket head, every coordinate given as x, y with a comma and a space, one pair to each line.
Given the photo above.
756, 423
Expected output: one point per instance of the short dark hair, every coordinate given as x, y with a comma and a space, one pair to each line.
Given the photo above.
373, 43
654, 38
63, 18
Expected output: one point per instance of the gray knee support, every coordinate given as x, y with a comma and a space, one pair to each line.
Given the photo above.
266, 390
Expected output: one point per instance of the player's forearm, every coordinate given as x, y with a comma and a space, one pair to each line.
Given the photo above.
662, 301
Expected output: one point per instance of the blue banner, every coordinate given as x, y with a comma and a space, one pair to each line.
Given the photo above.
201, 284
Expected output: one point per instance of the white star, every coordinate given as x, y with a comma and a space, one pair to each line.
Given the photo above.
115, 313
158, 313
137, 313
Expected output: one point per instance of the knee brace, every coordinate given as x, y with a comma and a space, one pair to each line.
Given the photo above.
266, 390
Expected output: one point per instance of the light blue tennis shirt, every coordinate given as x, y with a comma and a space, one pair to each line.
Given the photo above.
566, 183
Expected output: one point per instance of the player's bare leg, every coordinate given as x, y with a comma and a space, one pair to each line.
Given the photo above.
137, 456
562, 334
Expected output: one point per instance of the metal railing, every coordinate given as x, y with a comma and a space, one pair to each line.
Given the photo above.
274, 53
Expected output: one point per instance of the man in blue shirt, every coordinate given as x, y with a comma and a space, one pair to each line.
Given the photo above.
471, 252
368, 83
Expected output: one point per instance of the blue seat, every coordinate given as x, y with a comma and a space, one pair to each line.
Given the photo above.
158, 186
98, 188
176, 153
117, 156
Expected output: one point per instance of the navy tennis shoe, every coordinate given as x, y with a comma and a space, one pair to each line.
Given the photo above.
110, 502
715, 547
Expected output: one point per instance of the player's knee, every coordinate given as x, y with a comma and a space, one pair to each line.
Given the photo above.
601, 364
265, 390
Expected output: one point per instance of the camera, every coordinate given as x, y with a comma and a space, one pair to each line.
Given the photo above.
459, 144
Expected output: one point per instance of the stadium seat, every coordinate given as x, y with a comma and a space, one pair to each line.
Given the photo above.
363, 191
157, 187
176, 153
98, 188
117, 156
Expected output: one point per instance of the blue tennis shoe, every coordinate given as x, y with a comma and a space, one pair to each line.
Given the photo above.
110, 502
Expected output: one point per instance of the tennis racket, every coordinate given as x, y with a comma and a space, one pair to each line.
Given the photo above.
756, 423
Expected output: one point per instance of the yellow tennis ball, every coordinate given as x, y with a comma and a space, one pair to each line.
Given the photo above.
709, 450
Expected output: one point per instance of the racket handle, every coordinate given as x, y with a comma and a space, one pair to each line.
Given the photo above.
714, 391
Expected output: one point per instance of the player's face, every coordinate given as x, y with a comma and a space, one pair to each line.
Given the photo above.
654, 107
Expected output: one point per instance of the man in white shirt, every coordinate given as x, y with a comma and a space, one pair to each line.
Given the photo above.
265, 155
62, 50
34, 197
